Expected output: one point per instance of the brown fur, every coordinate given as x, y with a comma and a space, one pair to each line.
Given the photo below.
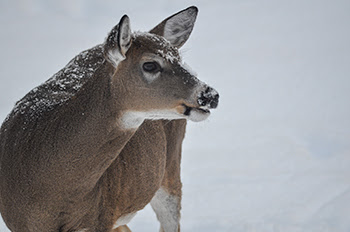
66, 161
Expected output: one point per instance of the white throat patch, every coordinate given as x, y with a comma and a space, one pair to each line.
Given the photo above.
134, 119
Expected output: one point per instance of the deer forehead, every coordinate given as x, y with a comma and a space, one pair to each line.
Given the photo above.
158, 45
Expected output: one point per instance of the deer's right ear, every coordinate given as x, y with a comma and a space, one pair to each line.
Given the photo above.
118, 42
178, 27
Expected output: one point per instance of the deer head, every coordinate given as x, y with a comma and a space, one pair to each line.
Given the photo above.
149, 75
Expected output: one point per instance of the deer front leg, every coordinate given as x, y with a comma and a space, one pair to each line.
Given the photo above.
167, 208
167, 201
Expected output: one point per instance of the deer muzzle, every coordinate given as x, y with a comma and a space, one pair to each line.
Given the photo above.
207, 98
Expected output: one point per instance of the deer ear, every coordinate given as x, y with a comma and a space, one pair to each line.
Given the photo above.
118, 41
178, 27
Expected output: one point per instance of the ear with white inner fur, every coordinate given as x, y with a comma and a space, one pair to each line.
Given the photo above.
178, 27
118, 42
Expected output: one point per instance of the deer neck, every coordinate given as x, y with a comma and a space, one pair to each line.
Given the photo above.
96, 139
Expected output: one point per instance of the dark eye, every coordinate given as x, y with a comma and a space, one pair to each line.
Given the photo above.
152, 67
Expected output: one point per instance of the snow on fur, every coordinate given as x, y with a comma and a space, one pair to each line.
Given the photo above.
68, 81
166, 50
62, 86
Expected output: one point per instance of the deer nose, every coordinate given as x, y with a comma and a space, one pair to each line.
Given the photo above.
209, 98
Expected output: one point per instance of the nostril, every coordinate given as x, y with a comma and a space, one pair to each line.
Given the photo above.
214, 102
209, 97
203, 103
216, 97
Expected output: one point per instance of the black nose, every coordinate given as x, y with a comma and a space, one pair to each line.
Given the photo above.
209, 98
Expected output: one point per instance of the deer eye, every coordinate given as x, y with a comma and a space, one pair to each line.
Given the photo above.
151, 67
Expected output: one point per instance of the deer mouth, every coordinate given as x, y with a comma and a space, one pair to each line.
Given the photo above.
195, 114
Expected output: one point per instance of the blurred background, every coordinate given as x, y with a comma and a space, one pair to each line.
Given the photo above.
275, 155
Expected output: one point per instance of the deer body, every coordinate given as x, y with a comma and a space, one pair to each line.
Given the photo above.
80, 152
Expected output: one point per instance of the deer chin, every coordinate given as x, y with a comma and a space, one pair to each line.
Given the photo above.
195, 114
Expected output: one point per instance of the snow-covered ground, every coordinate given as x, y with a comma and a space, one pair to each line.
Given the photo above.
275, 156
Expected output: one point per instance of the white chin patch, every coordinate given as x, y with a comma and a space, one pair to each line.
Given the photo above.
197, 115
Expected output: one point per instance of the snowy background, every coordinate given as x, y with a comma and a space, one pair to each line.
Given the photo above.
275, 156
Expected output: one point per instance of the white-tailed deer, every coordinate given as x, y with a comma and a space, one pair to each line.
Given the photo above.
102, 138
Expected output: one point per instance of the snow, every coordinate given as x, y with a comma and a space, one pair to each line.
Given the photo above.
165, 50
275, 155
168, 56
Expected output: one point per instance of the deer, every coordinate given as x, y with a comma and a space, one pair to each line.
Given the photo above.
102, 138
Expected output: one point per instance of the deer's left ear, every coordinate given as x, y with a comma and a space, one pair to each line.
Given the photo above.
118, 42
178, 27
